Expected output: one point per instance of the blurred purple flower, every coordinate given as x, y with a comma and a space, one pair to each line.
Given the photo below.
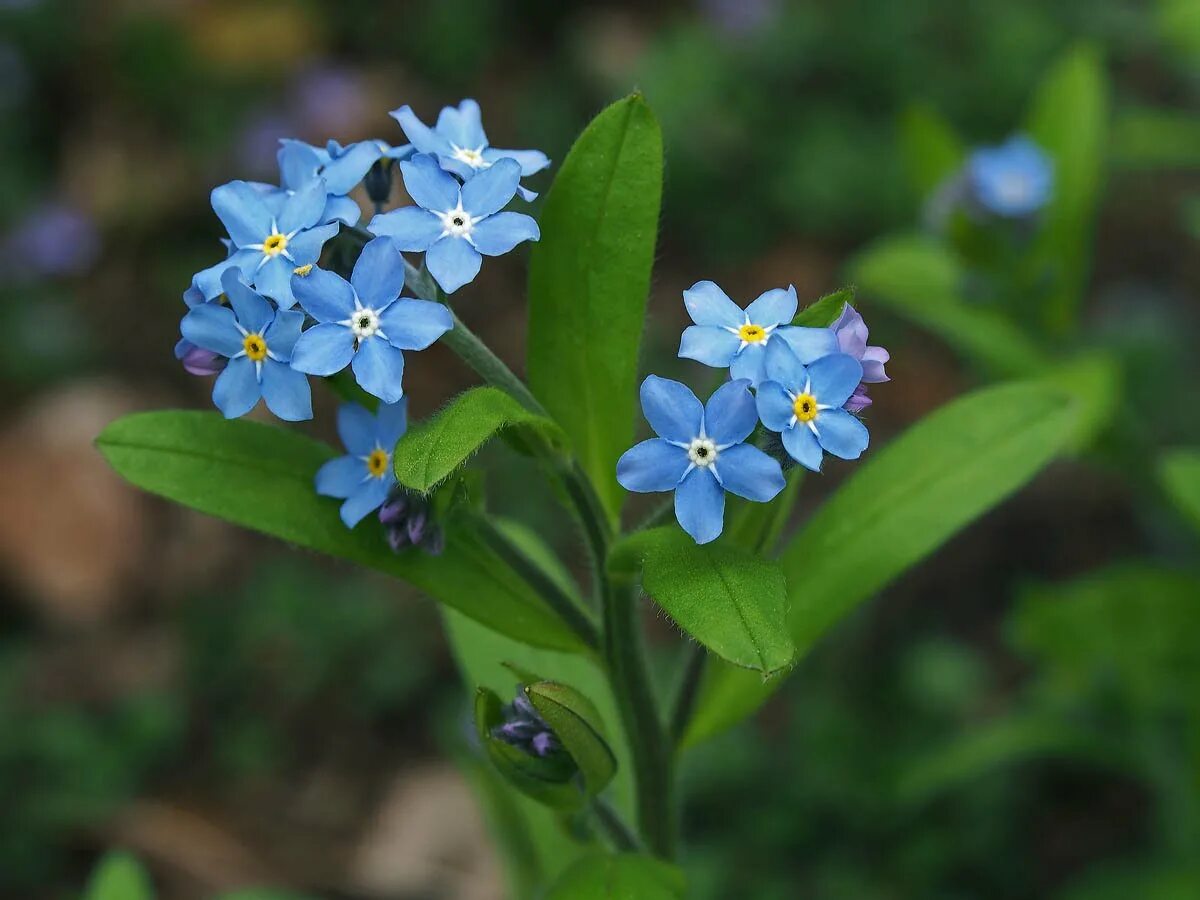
258, 141
329, 100
55, 240
739, 17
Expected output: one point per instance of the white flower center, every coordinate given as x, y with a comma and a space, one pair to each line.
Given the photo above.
364, 323
473, 158
457, 222
1015, 188
702, 452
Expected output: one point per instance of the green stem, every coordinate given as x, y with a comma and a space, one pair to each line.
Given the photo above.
623, 840
689, 690
491, 368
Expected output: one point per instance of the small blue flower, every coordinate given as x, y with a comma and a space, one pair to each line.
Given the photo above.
257, 339
269, 239
804, 404
700, 453
725, 335
364, 477
363, 321
342, 167
1012, 180
459, 143
456, 223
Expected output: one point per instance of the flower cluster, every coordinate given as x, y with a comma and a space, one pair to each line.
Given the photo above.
806, 384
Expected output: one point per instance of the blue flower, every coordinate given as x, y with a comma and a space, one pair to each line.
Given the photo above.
459, 143
342, 167
1012, 180
363, 321
455, 223
725, 335
804, 404
364, 477
257, 339
269, 239
700, 453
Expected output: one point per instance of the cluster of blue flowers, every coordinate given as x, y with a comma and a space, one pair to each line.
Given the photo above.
806, 384
243, 324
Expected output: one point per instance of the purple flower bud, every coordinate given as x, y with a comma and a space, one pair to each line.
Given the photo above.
858, 400
544, 743
416, 526
523, 727
393, 510
397, 539
197, 360
435, 541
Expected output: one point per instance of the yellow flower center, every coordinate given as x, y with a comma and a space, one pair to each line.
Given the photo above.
275, 244
805, 407
752, 334
255, 346
303, 270
377, 463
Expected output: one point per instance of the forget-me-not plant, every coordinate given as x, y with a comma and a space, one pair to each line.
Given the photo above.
1012, 180
363, 477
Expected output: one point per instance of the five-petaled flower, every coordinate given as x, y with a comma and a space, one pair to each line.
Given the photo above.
725, 335
456, 223
460, 144
364, 476
804, 404
700, 453
257, 339
852, 335
364, 321
1012, 180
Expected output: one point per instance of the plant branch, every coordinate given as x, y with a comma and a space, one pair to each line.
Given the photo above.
623, 840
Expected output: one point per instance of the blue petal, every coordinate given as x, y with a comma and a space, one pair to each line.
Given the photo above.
784, 366
453, 262
253, 312
490, 190
498, 234
415, 324
366, 499
306, 247
357, 429
391, 423
423, 138
411, 227
325, 296
286, 391
283, 332
379, 368
774, 307
526, 194
750, 363
834, 378
809, 344
341, 477
775, 407
303, 209
671, 409
707, 304
462, 126
653, 465
802, 445
274, 280
194, 296
459, 167
298, 163
341, 209
709, 345
344, 173
378, 276
208, 281
324, 349
530, 161
213, 327
242, 211
700, 505
236, 391
841, 433
428, 185
730, 414
750, 473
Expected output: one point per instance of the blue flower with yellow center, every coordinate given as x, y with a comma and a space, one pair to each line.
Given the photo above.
363, 477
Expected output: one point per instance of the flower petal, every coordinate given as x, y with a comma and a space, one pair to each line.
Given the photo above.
368, 498
341, 209
391, 423
254, 313
784, 367
236, 391
274, 280
809, 344
653, 465
415, 324
286, 391
213, 327
709, 345
453, 262
750, 473
411, 227
490, 190
707, 304
242, 211
423, 138
462, 126
834, 378
378, 276
283, 332
774, 406
298, 163
873, 360
357, 428
324, 349
428, 185
341, 477
730, 414
851, 332
344, 173
774, 307
750, 363
700, 505
306, 247
325, 296
303, 209
841, 433
498, 234
207, 282
802, 445
379, 368
530, 161
671, 409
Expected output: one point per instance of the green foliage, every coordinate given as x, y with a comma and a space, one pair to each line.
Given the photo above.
573, 717
1148, 138
588, 281
931, 149
433, 450
263, 894
1179, 472
261, 477
119, 876
624, 876
731, 601
824, 312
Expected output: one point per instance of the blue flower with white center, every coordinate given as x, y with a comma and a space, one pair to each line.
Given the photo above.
461, 146
454, 224
363, 322
269, 239
700, 453
726, 336
342, 167
364, 477
1012, 180
804, 404
257, 339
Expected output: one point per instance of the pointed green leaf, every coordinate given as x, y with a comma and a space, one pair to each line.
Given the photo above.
573, 717
589, 276
431, 451
261, 477
624, 876
931, 150
824, 312
1180, 475
119, 876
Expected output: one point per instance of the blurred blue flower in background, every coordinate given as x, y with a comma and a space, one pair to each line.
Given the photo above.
700, 453
1013, 180
363, 478
55, 240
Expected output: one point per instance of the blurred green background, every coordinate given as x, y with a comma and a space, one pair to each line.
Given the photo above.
1017, 717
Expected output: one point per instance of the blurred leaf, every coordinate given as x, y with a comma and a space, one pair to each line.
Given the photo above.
1179, 29
588, 281
119, 876
261, 477
757, 527
1094, 382
1147, 138
727, 695
263, 894
824, 312
625, 876
573, 717
1068, 118
931, 149
1143, 880
431, 451
1179, 472
731, 601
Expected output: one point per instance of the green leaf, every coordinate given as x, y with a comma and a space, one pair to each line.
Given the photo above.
573, 717
731, 601
589, 276
624, 876
432, 451
757, 527
727, 695
1068, 118
258, 893
119, 876
824, 312
1179, 472
1149, 138
261, 477
932, 151
918, 278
